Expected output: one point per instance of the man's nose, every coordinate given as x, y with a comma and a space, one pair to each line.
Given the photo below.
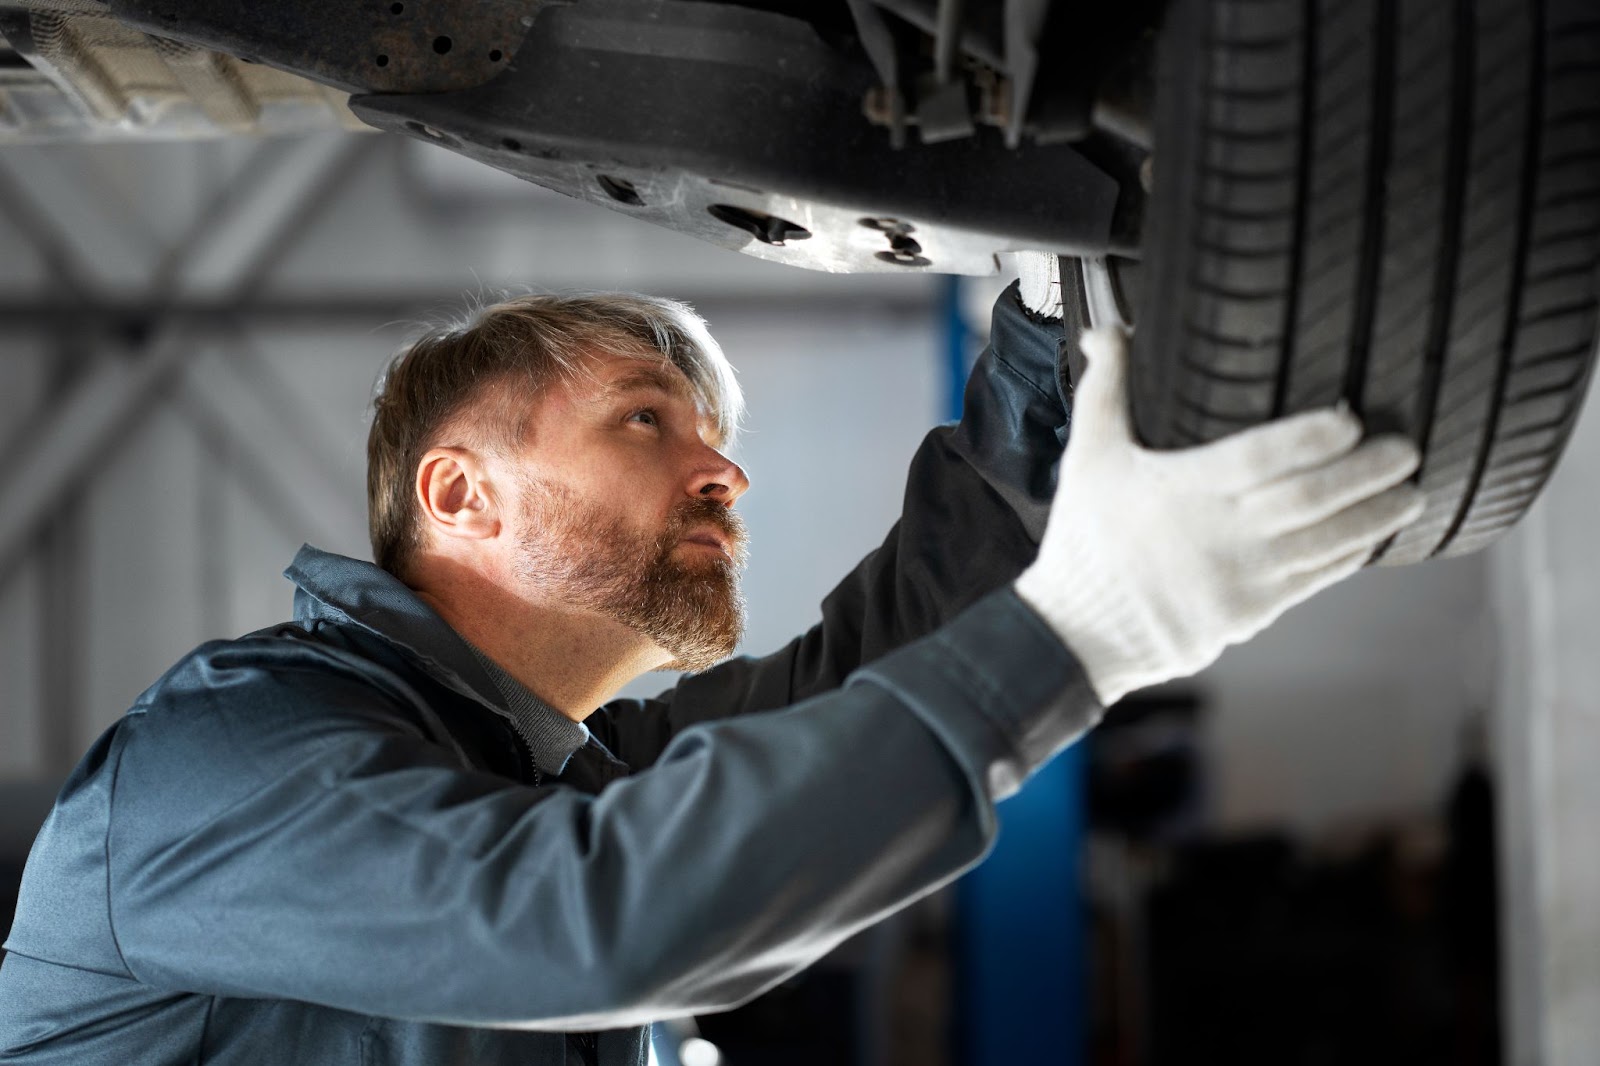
722, 479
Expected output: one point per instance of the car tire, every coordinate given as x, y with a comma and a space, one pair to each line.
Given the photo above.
1390, 203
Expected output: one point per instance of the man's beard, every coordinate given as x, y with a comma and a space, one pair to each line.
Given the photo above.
580, 554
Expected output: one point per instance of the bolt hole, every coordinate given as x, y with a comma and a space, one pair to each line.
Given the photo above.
382, 61
430, 133
888, 225
905, 259
395, 9
511, 144
620, 190
441, 45
768, 229
904, 245
495, 55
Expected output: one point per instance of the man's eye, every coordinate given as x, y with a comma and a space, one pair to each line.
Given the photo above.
647, 416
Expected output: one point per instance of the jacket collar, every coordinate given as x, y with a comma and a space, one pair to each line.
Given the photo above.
339, 588
329, 586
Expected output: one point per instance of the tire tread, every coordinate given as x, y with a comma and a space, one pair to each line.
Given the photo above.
1394, 203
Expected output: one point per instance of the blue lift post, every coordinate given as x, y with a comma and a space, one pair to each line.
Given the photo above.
1021, 953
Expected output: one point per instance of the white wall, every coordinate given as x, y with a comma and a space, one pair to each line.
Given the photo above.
1546, 579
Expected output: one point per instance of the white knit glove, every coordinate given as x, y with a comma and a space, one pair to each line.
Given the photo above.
1154, 561
1039, 283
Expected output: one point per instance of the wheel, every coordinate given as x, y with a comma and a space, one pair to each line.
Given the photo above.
1395, 203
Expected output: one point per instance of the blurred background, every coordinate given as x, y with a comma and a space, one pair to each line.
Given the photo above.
1363, 837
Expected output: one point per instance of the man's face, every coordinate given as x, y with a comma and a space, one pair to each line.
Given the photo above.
625, 509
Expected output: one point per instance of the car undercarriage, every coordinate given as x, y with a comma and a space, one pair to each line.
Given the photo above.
1393, 204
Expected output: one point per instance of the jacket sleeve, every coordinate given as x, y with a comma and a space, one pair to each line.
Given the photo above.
976, 499
280, 828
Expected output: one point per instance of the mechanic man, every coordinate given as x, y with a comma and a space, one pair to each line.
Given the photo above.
397, 831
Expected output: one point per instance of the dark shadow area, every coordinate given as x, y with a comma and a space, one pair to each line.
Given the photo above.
1376, 944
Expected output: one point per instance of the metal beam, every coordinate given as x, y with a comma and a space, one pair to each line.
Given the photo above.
305, 184
296, 510
284, 463
117, 390
209, 225
113, 392
55, 250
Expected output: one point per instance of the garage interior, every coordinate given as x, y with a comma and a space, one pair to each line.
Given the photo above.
1365, 836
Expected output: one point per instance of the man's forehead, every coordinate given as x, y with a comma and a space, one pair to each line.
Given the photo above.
619, 373
614, 374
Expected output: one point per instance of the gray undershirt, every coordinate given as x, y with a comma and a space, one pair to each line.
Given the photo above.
551, 736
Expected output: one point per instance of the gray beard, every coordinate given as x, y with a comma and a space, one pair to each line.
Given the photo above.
577, 553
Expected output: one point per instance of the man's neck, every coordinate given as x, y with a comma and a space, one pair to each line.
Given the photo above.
573, 660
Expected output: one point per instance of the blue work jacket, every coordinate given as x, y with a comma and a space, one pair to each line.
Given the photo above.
325, 844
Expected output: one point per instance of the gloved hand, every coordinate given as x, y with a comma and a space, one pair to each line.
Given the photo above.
1154, 561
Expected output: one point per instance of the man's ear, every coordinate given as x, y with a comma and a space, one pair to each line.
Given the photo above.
455, 495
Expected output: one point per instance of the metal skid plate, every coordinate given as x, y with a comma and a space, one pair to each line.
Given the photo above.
365, 46
744, 128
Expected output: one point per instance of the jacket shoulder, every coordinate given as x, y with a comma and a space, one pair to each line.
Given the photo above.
261, 705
